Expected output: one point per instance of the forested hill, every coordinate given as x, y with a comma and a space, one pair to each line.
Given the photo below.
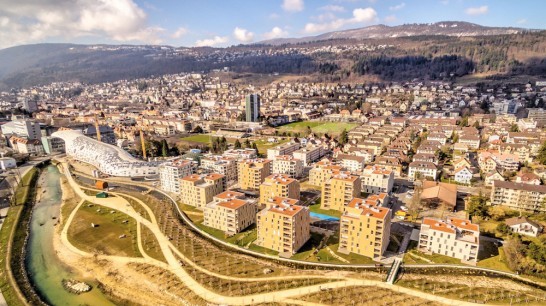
424, 57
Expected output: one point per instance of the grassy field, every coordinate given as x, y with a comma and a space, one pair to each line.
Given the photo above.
332, 128
21, 194
241, 239
497, 262
150, 244
105, 237
6, 285
362, 296
199, 138
263, 144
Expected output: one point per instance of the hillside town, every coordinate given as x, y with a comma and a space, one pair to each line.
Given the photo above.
386, 169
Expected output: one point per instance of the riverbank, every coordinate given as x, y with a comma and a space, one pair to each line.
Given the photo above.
121, 283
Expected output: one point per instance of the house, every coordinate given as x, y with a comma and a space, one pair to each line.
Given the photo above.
463, 175
527, 178
461, 162
524, 226
494, 175
352, 162
424, 169
472, 141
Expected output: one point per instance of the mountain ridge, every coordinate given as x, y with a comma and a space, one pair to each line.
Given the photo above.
441, 28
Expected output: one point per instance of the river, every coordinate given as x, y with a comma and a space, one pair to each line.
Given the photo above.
45, 269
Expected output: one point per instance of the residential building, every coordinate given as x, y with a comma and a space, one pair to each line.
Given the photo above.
489, 161
322, 171
252, 173
282, 149
377, 179
240, 154
199, 190
519, 196
492, 176
7, 163
524, 226
170, 174
424, 169
538, 115
472, 141
352, 163
279, 185
22, 128
463, 175
283, 227
252, 110
52, 145
230, 212
309, 154
365, 228
287, 164
339, 190
457, 238
26, 145
220, 164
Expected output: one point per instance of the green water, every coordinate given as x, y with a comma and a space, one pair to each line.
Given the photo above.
45, 269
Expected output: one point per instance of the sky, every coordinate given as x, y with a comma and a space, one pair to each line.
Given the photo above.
221, 23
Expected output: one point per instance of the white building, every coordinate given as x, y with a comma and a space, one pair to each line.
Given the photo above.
7, 163
463, 175
220, 164
287, 164
282, 149
309, 154
457, 238
22, 128
524, 226
377, 179
352, 162
170, 174
425, 169
107, 158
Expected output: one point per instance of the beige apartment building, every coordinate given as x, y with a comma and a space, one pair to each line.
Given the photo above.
309, 154
365, 228
520, 196
457, 238
252, 173
279, 185
339, 190
322, 171
287, 164
283, 227
171, 173
198, 190
220, 164
230, 212
377, 179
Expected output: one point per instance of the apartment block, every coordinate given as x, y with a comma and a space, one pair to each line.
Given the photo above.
351, 162
339, 190
309, 154
377, 179
230, 212
282, 149
199, 190
287, 164
252, 173
322, 171
279, 185
365, 228
240, 154
283, 228
424, 169
520, 196
170, 174
220, 164
457, 238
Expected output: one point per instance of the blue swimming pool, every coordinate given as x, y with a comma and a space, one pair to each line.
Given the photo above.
323, 217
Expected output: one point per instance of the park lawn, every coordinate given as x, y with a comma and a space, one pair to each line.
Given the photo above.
241, 239
319, 127
496, 262
104, 238
306, 186
263, 144
316, 209
21, 194
199, 138
351, 257
437, 258
195, 215
263, 250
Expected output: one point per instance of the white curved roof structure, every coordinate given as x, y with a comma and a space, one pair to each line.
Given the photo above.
107, 158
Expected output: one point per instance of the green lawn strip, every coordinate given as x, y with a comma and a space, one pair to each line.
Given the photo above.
7, 284
199, 138
319, 127
260, 249
137, 207
241, 239
105, 237
21, 194
437, 258
497, 262
316, 209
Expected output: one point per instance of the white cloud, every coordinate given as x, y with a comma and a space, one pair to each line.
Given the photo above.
243, 35
444, 2
216, 40
179, 32
522, 21
274, 16
276, 32
390, 19
292, 5
332, 8
324, 17
397, 7
28, 21
477, 10
360, 16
